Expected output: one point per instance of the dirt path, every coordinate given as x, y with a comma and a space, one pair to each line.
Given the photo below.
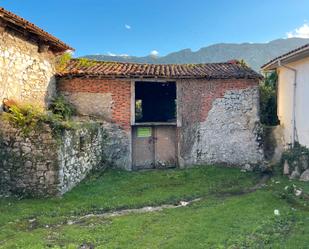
147, 209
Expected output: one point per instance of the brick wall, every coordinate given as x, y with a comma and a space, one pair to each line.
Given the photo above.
200, 94
219, 119
219, 122
120, 91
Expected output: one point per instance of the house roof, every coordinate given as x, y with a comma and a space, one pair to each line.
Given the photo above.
21, 25
80, 68
291, 56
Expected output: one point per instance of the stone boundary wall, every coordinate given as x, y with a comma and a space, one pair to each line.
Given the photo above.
79, 152
25, 74
28, 165
220, 123
41, 164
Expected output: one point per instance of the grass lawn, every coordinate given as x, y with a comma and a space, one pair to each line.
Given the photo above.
223, 218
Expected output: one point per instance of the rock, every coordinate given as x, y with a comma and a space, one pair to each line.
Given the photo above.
33, 224
247, 167
86, 246
26, 149
50, 177
184, 203
305, 176
286, 168
70, 222
298, 192
295, 174
276, 212
304, 162
28, 164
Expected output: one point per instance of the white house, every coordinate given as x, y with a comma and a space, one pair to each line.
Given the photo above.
293, 94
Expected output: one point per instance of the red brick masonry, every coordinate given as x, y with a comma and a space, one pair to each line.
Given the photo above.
120, 90
197, 96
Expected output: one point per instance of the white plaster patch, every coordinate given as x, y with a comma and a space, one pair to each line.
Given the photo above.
229, 133
96, 104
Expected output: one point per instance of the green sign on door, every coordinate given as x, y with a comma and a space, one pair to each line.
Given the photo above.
144, 132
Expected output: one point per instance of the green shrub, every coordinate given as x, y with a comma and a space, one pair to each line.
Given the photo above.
296, 156
27, 117
268, 100
62, 108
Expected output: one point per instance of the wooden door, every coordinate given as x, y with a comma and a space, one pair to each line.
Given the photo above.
154, 147
143, 148
165, 146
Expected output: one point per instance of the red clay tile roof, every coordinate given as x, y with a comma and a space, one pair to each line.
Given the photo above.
17, 22
297, 51
78, 68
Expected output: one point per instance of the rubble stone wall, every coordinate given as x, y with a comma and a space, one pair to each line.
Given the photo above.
44, 164
25, 74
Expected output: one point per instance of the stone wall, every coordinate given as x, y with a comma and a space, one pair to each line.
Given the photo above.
42, 164
25, 74
79, 152
220, 123
117, 148
28, 165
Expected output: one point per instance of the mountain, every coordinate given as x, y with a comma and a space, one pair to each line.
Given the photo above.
255, 54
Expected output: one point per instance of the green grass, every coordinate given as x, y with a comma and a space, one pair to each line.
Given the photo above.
218, 221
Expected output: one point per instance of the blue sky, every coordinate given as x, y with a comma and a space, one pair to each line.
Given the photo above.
137, 27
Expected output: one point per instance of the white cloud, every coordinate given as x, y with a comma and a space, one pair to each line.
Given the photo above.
127, 26
154, 53
113, 54
301, 32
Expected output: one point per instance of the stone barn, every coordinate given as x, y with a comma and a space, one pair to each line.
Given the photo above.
133, 116
164, 116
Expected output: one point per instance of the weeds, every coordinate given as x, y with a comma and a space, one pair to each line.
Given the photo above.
62, 108
30, 117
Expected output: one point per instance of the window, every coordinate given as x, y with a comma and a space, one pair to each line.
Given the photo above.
155, 102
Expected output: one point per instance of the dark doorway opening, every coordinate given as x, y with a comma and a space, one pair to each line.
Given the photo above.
155, 102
